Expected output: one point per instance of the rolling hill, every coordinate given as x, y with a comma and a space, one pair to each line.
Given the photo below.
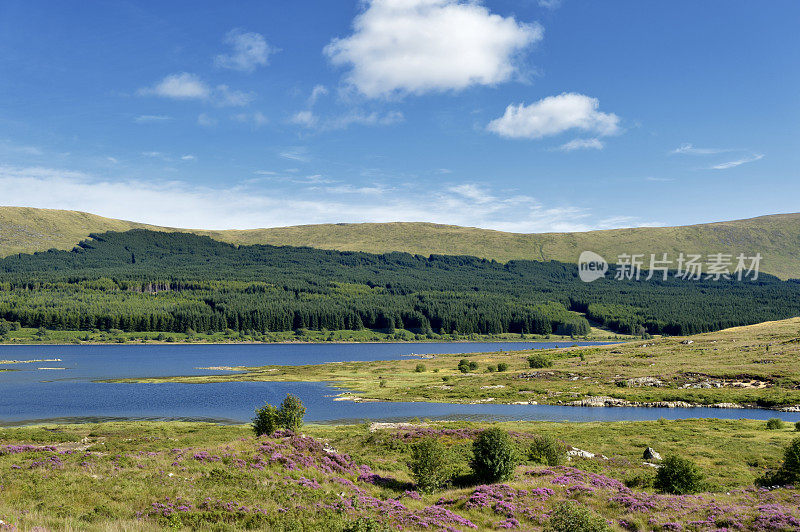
776, 237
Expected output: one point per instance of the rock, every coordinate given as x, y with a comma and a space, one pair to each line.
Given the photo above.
687, 342
644, 381
651, 454
580, 453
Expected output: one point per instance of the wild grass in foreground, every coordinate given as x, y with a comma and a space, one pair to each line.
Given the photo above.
151, 476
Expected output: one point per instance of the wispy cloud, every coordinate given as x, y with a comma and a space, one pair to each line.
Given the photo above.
188, 157
295, 153
690, 149
310, 120
737, 162
183, 204
180, 86
659, 179
206, 121
149, 119
186, 86
582, 144
256, 119
249, 51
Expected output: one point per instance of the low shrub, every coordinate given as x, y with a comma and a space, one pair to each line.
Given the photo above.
546, 450
774, 424
502, 366
789, 472
494, 457
538, 361
573, 517
429, 464
678, 476
420, 368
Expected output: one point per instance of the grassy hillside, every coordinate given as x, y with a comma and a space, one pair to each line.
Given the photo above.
776, 237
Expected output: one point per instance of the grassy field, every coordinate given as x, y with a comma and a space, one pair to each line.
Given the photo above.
180, 476
754, 365
24, 230
27, 335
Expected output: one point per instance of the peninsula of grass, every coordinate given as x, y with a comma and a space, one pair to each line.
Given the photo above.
756, 365
197, 476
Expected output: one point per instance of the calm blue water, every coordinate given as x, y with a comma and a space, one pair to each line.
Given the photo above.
32, 394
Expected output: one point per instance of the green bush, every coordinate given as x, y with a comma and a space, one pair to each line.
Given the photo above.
289, 416
546, 450
678, 476
265, 422
463, 365
429, 465
789, 472
538, 361
572, 517
797, 427
420, 368
502, 366
491, 369
774, 424
493, 456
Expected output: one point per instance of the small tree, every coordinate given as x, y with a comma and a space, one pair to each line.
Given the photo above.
463, 365
266, 420
797, 427
774, 424
502, 366
546, 450
5, 328
538, 361
420, 368
429, 464
678, 476
494, 457
290, 414
572, 517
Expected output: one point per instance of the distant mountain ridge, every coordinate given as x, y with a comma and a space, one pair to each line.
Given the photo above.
775, 237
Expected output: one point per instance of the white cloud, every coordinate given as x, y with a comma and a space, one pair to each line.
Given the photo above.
689, 149
250, 50
147, 119
188, 158
112, 160
737, 162
554, 115
582, 144
418, 46
184, 204
186, 86
181, 86
659, 179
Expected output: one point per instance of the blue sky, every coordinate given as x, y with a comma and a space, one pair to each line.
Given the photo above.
521, 115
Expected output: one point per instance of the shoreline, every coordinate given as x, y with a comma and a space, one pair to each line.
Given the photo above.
335, 342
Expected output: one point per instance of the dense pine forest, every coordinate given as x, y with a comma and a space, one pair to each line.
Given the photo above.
174, 282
